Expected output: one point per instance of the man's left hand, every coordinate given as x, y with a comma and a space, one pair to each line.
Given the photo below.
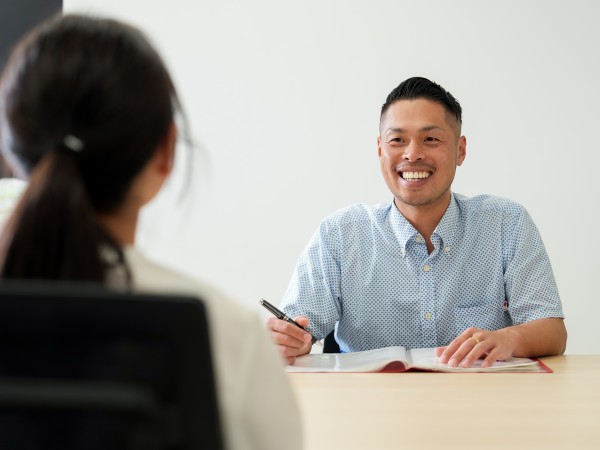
475, 343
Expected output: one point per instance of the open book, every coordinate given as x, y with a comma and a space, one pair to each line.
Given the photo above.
399, 359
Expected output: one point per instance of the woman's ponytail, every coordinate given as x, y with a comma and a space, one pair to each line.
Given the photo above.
53, 232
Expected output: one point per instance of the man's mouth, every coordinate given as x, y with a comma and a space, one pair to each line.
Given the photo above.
414, 176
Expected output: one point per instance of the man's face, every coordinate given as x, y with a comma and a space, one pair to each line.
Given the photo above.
419, 149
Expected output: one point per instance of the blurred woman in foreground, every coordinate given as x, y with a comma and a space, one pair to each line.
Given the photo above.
87, 112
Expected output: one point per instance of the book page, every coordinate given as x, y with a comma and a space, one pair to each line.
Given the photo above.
366, 361
424, 358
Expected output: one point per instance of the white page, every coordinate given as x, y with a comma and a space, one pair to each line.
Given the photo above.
425, 358
367, 361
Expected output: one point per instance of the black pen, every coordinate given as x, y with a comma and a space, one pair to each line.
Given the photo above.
280, 315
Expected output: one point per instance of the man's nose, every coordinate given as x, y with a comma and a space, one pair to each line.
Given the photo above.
413, 152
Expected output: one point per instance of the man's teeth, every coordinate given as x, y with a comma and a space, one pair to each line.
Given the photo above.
415, 175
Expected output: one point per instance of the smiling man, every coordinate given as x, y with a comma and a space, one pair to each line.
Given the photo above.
432, 268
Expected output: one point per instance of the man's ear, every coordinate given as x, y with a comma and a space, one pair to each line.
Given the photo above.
462, 150
379, 146
166, 151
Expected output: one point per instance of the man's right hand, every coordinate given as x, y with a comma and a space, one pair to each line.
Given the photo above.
291, 340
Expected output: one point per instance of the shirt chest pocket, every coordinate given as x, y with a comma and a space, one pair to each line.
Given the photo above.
485, 315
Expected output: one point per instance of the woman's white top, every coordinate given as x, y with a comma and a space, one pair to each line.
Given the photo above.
258, 408
11, 190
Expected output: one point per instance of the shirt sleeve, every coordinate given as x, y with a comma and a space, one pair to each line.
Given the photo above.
314, 289
531, 289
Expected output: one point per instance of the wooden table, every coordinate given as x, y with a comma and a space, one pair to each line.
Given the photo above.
418, 410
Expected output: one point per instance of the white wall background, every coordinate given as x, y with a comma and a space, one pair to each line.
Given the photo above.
283, 99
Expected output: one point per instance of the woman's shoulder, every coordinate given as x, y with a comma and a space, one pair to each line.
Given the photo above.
250, 379
148, 276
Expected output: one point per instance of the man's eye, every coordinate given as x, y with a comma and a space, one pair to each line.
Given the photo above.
431, 139
396, 140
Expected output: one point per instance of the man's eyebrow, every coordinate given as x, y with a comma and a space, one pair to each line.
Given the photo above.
403, 130
432, 127
395, 130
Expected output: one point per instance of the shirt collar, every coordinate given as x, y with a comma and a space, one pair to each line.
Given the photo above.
404, 231
401, 228
447, 229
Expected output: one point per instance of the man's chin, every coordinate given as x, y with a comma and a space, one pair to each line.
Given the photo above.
414, 201
417, 201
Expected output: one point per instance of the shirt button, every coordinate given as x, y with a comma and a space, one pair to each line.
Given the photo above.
426, 268
447, 249
419, 239
428, 316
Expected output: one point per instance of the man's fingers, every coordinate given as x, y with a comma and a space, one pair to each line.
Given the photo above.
302, 320
490, 359
286, 340
451, 350
440, 350
289, 354
288, 329
464, 349
291, 340
479, 350
474, 344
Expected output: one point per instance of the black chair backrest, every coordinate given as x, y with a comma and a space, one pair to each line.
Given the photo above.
82, 367
330, 345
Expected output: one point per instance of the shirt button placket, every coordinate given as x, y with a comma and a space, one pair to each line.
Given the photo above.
428, 305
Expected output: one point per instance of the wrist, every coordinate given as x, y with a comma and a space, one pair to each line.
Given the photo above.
514, 340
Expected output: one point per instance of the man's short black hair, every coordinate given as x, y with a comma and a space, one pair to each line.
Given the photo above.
418, 87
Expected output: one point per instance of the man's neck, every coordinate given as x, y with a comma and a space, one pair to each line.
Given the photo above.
424, 218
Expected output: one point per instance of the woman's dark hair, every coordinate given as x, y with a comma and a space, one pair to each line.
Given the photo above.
418, 87
84, 104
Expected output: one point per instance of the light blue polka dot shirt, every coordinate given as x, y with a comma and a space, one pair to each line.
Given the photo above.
366, 273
